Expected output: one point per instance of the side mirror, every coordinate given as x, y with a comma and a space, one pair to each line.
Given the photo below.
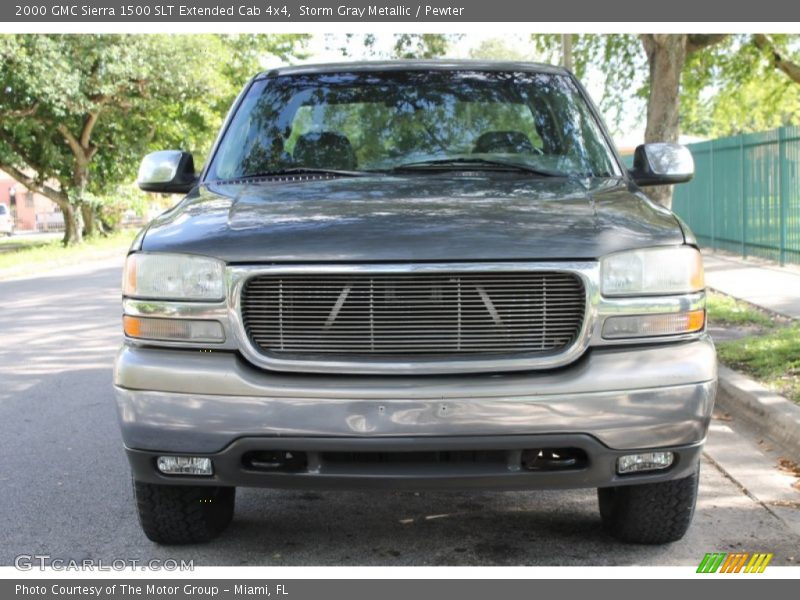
662, 164
167, 172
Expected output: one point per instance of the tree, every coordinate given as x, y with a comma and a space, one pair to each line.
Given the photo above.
666, 58
78, 111
704, 73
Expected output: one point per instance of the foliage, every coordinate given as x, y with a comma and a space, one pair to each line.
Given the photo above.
123, 201
732, 88
422, 45
405, 45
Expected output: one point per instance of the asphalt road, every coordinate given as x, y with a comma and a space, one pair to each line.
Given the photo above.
65, 489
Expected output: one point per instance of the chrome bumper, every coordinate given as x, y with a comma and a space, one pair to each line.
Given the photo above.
625, 398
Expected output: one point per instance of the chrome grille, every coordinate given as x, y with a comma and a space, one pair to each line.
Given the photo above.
414, 314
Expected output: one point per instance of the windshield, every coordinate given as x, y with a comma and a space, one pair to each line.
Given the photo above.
392, 120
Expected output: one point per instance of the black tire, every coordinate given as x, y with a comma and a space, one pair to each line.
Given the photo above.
183, 514
649, 513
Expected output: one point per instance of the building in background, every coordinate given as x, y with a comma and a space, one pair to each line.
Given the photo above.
31, 211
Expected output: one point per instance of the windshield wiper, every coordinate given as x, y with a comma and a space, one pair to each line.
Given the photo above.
307, 171
479, 163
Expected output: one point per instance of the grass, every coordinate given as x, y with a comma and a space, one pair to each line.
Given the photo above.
773, 358
771, 351
729, 312
9, 244
38, 254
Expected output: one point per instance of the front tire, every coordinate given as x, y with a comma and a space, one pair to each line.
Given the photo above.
183, 514
649, 513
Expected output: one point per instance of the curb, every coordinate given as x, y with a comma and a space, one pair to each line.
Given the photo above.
768, 413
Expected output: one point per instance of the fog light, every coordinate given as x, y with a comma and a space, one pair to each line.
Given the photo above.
184, 465
647, 461
177, 330
654, 325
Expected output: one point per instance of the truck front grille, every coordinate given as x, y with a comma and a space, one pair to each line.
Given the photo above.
413, 315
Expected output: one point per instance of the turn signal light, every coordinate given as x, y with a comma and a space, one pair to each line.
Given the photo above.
177, 330
654, 325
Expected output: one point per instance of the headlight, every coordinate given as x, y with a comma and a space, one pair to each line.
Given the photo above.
652, 271
173, 277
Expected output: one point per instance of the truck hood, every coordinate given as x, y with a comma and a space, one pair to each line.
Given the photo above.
426, 217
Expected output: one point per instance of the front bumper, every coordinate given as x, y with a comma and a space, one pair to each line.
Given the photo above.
611, 400
506, 471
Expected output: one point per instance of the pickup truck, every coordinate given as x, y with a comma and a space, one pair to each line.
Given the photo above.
417, 275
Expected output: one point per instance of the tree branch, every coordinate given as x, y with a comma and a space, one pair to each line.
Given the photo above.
779, 61
698, 41
86, 134
81, 148
22, 112
72, 141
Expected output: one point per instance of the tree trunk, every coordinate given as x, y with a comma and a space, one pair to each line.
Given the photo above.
566, 50
666, 56
72, 226
87, 212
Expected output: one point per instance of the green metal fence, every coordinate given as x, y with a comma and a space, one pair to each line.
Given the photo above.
745, 195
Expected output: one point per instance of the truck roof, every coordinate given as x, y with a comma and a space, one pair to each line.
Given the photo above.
412, 65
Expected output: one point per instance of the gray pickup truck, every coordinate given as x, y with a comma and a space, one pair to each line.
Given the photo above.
417, 275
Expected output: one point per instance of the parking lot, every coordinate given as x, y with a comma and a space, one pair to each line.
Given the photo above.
66, 490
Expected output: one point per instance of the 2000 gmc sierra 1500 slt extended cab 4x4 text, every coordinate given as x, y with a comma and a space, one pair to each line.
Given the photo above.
415, 275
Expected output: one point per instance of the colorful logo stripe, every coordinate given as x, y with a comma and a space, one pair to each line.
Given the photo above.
738, 562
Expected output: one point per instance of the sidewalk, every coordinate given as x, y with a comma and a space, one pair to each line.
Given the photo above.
758, 282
